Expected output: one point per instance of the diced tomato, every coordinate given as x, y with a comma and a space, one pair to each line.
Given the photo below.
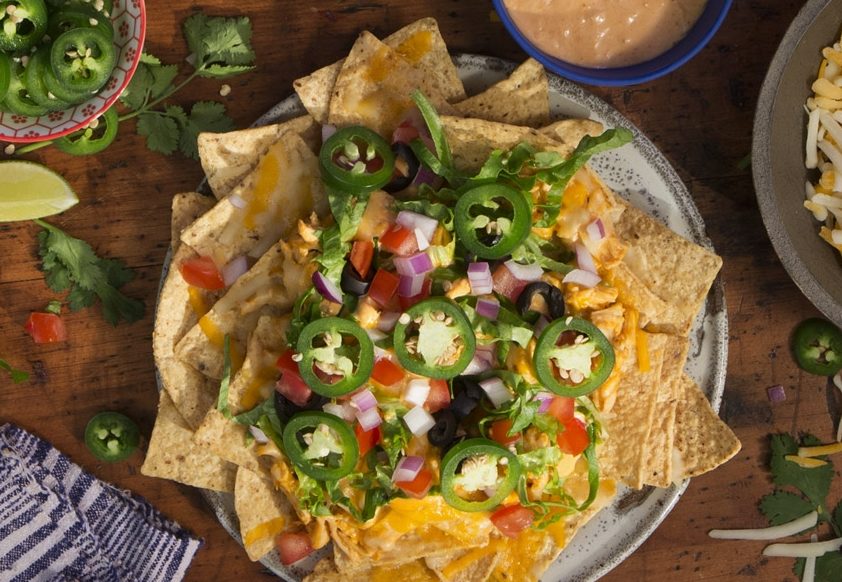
574, 439
387, 372
562, 408
506, 284
419, 486
45, 328
362, 253
366, 438
293, 388
405, 132
399, 241
202, 272
500, 432
439, 396
383, 287
293, 546
407, 302
512, 519
286, 363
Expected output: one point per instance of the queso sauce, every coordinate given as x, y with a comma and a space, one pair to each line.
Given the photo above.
604, 33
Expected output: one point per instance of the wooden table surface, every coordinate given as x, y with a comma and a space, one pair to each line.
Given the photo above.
701, 119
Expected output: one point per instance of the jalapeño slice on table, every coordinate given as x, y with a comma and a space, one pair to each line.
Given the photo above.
572, 357
91, 140
434, 338
817, 347
356, 160
321, 445
22, 24
475, 466
492, 220
111, 436
82, 59
330, 364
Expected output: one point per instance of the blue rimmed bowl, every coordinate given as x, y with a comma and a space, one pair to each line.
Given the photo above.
698, 36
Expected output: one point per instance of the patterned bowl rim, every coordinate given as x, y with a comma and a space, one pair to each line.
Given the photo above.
108, 102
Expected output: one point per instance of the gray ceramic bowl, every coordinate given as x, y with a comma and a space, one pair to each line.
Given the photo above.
778, 157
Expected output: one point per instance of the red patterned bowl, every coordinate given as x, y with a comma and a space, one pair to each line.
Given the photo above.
129, 19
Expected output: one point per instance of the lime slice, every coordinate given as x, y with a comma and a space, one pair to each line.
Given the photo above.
29, 190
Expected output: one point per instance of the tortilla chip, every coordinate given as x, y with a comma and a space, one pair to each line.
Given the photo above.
411, 571
571, 131
172, 454
186, 208
472, 140
658, 447
262, 511
375, 85
464, 565
257, 378
521, 99
702, 440
285, 186
676, 270
634, 292
227, 440
316, 89
228, 157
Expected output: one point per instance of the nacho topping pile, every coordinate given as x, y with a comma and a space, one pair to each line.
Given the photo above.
437, 341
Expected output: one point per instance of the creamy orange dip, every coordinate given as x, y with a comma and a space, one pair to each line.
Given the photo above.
604, 33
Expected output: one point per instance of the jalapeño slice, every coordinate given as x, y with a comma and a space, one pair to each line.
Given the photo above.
474, 466
82, 16
355, 160
39, 61
329, 365
5, 74
492, 220
321, 445
572, 357
82, 59
22, 24
91, 140
434, 338
817, 347
18, 99
111, 436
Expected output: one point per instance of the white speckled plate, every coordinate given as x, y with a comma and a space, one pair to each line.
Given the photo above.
640, 173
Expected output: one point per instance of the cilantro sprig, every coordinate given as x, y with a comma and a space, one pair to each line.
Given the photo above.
71, 265
800, 491
17, 376
220, 47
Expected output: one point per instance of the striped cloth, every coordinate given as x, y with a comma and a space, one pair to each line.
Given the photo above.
59, 523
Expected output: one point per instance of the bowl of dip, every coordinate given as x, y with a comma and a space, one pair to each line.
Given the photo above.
611, 42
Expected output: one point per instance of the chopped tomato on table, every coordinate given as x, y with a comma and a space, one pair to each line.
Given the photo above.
46, 328
574, 439
419, 486
512, 519
293, 546
202, 272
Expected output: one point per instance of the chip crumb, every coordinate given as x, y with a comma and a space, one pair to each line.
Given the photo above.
9, 149
225, 90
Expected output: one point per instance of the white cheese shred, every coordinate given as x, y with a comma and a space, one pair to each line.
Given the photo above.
810, 565
812, 155
768, 533
803, 550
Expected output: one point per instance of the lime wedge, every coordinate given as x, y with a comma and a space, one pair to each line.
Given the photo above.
29, 190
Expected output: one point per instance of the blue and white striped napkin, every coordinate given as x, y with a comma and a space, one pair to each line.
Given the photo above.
59, 523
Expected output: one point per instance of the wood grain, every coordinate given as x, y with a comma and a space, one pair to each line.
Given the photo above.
700, 117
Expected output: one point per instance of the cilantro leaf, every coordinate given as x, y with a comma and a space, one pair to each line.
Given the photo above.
813, 483
221, 46
837, 516
16, 375
204, 116
395, 437
828, 567
333, 254
537, 461
70, 263
782, 507
348, 211
161, 132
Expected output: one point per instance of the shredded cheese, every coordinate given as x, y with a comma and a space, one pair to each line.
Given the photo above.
820, 451
803, 550
768, 533
805, 462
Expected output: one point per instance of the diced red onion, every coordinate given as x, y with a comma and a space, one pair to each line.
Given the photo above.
478, 364
419, 421
540, 325
545, 398
387, 320
369, 419
526, 273
375, 335
417, 264
776, 393
424, 176
237, 201
584, 259
422, 241
496, 391
258, 435
487, 352
488, 308
596, 230
327, 131
417, 391
343, 411
479, 276
364, 400
326, 288
411, 285
583, 278
407, 469
234, 270
414, 220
